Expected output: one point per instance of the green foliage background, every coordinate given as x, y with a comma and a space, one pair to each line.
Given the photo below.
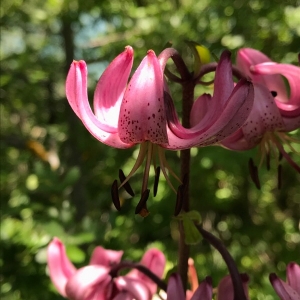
71, 199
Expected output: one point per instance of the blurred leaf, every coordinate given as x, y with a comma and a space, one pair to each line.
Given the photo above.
191, 233
75, 254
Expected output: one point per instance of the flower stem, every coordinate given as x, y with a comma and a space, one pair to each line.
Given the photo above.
185, 158
237, 283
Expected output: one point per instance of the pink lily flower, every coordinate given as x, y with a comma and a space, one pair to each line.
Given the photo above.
289, 290
274, 113
95, 280
136, 113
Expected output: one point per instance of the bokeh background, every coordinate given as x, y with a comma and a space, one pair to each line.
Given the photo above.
56, 178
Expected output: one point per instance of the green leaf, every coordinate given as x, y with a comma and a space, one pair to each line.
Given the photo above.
75, 254
191, 233
191, 215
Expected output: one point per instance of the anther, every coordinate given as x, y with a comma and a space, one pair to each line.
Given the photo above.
254, 173
156, 180
126, 185
141, 208
115, 195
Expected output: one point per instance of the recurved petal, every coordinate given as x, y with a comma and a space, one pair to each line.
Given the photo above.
60, 268
155, 261
283, 290
204, 291
76, 91
111, 86
232, 117
223, 83
201, 111
289, 107
238, 142
247, 57
105, 257
90, 282
133, 287
142, 114
293, 276
175, 289
265, 116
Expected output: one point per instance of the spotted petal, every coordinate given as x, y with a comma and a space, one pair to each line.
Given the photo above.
289, 107
142, 114
264, 117
226, 111
233, 115
247, 57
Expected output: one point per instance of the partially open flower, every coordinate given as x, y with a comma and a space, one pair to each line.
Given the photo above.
96, 280
175, 289
204, 291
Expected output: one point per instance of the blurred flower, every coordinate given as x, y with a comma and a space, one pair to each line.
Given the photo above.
204, 291
274, 113
96, 280
289, 290
175, 289
140, 112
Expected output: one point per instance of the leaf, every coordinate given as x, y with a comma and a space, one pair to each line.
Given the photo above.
191, 215
75, 254
191, 233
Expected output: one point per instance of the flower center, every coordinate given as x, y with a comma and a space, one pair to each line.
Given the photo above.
149, 153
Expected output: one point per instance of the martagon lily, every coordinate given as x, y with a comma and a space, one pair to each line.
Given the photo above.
98, 280
126, 114
289, 290
274, 113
